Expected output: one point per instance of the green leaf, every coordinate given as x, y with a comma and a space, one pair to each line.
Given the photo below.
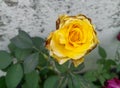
102, 80
7, 68
51, 82
118, 68
90, 76
39, 44
107, 75
25, 85
80, 82
20, 54
108, 64
42, 60
86, 83
44, 71
62, 68
77, 83
22, 40
14, 76
102, 52
2, 82
32, 79
100, 70
112, 75
30, 62
111, 62
70, 83
5, 59
12, 48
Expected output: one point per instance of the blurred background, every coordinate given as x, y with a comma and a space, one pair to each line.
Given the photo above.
38, 17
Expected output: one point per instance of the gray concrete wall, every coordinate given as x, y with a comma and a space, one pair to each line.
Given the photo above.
37, 17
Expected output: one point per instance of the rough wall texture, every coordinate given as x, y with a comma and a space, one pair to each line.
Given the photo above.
38, 17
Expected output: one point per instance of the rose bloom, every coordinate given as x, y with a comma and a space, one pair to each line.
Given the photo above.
73, 38
113, 83
118, 36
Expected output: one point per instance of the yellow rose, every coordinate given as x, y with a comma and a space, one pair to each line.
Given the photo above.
75, 37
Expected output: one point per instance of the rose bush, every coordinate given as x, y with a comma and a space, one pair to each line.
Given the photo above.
75, 37
28, 62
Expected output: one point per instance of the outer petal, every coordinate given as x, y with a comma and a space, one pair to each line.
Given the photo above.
60, 60
78, 62
61, 20
48, 40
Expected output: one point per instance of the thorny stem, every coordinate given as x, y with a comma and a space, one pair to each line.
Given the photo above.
60, 81
41, 68
37, 50
72, 74
78, 72
117, 53
65, 82
49, 60
70, 63
41, 52
54, 67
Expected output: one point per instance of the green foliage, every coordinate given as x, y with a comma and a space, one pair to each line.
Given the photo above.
102, 52
118, 68
42, 60
68, 66
62, 68
21, 54
2, 82
5, 59
28, 54
77, 81
79, 68
28, 65
32, 79
90, 76
62, 83
51, 82
103, 71
106, 63
39, 43
30, 62
14, 76
22, 40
